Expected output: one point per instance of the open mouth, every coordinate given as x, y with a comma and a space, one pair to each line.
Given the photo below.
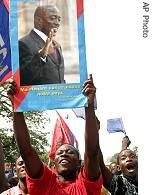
130, 168
22, 170
64, 162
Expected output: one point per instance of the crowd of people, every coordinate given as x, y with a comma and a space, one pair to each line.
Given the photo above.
69, 175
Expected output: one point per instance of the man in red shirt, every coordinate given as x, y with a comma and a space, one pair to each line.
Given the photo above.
68, 179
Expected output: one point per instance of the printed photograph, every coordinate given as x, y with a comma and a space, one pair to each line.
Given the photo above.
48, 42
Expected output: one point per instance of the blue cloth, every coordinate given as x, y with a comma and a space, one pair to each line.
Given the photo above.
115, 125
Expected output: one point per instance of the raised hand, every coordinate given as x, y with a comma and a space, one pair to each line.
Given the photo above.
125, 142
12, 90
48, 47
89, 90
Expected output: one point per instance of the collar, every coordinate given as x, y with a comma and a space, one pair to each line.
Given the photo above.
41, 34
20, 191
131, 180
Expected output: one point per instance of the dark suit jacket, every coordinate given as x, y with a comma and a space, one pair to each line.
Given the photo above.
33, 69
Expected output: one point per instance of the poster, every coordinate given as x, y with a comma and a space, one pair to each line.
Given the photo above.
49, 69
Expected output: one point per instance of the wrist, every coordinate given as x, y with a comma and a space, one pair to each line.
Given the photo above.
43, 54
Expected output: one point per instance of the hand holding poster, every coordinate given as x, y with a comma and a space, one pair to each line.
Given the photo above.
48, 54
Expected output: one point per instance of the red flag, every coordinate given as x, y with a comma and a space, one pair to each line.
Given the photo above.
62, 135
6, 3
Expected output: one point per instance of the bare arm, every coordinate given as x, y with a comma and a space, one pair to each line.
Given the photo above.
91, 156
106, 173
28, 153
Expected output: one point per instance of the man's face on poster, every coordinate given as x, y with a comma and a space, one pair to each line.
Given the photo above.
51, 20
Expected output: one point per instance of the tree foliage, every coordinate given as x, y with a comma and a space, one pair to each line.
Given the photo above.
113, 158
135, 149
35, 122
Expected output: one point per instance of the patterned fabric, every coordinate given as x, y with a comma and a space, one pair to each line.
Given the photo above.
13, 191
122, 185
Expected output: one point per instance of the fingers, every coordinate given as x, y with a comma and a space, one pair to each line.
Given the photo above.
50, 36
52, 33
89, 89
12, 88
88, 86
90, 77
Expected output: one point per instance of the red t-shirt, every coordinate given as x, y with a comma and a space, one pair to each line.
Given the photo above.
48, 184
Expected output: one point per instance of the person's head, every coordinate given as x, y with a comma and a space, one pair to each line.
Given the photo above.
128, 163
7, 167
47, 18
20, 169
67, 161
113, 167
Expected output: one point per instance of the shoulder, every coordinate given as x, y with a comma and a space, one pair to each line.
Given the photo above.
88, 183
11, 191
117, 185
46, 173
29, 37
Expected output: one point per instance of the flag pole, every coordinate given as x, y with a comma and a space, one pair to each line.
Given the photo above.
123, 127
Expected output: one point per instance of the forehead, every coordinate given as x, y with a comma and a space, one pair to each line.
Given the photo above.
113, 164
126, 153
52, 11
66, 147
19, 160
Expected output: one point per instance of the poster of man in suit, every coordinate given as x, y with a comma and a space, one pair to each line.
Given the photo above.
50, 62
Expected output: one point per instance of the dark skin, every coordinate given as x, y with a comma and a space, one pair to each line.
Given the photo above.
113, 167
125, 142
3, 181
106, 172
128, 163
21, 174
47, 20
91, 156
66, 162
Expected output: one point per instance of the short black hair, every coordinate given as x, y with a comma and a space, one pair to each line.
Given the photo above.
121, 152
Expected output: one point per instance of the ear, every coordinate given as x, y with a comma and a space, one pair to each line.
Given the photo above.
40, 22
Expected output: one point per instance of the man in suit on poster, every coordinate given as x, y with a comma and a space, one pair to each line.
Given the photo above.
40, 56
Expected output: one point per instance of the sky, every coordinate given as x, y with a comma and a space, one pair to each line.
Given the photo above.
113, 33
120, 59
